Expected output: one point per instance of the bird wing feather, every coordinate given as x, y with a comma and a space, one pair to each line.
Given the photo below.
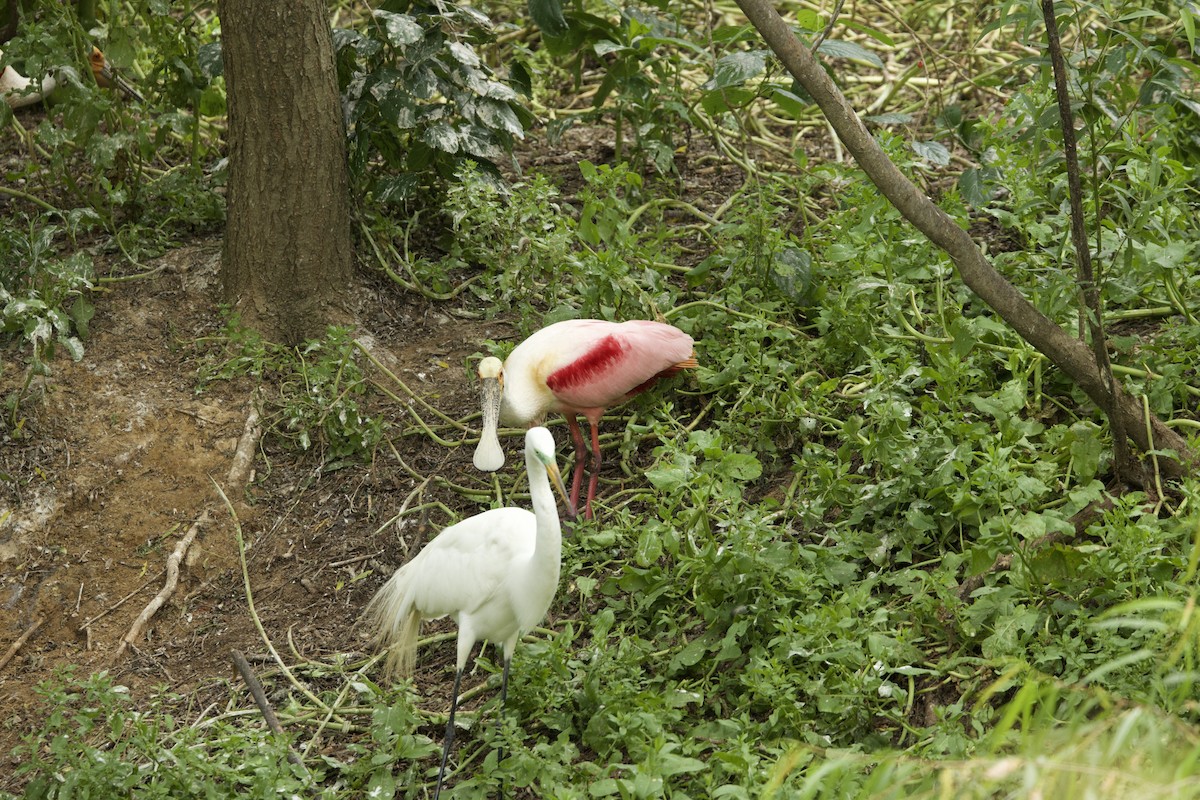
608, 362
463, 567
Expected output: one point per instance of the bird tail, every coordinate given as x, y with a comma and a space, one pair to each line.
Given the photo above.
394, 623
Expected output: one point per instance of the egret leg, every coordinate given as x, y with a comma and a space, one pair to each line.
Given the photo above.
580, 457
500, 717
594, 479
449, 735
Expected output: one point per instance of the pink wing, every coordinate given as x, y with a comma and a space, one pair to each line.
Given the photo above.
613, 361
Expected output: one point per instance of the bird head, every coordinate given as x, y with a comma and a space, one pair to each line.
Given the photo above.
489, 457
108, 78
540, 442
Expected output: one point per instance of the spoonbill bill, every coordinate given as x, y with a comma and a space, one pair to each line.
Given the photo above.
494, 573
578, 366
13, 86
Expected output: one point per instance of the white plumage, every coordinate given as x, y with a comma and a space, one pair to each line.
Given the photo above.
13, 85
495, 574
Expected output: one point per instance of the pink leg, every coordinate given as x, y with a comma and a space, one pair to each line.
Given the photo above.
580, 455
595, 477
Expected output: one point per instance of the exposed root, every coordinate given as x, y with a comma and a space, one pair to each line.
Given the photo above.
240, 471
173, 561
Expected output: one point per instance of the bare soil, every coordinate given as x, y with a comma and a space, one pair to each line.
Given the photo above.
115, 457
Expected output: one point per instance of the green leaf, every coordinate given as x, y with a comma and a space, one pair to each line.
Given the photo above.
722, 101
548, 16
794, 104
212, 102
74, 347
741, 466
649, 548
209, 58
499, 116
933, 152
791, 272
737, 68
401, 29
444, 137
82, 312
1085, 453
520, 78
891, 118
836, 48
464, 55
691, 653
976, 185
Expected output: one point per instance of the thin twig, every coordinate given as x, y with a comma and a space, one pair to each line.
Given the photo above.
19, 643
87, 624
1089, 284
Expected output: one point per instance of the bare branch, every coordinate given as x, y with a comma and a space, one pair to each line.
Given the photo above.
1067, 353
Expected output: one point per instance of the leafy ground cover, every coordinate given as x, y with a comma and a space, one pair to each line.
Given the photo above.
873, 547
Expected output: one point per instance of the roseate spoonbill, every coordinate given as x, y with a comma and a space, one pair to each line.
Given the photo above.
578, 366
494, 573
13, 84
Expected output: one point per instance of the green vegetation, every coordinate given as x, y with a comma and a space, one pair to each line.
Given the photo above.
872, 547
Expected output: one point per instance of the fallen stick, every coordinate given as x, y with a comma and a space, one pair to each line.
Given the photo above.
260, 699
19, 643
243, 457
239, 474
173, 562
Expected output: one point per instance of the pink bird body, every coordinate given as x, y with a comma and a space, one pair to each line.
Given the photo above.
581, 366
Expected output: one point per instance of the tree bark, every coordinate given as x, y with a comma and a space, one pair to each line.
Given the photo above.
1064, 351
287, 255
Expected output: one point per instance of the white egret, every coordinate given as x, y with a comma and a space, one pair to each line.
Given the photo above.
494, 573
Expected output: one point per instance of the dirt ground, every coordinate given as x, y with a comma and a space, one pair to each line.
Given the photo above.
116, 458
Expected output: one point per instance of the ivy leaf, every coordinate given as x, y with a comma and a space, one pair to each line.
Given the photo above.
444, 137
209, 58
464, 54
499, 116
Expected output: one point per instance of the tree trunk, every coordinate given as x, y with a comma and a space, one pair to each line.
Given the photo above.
1064, 351
287, 256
